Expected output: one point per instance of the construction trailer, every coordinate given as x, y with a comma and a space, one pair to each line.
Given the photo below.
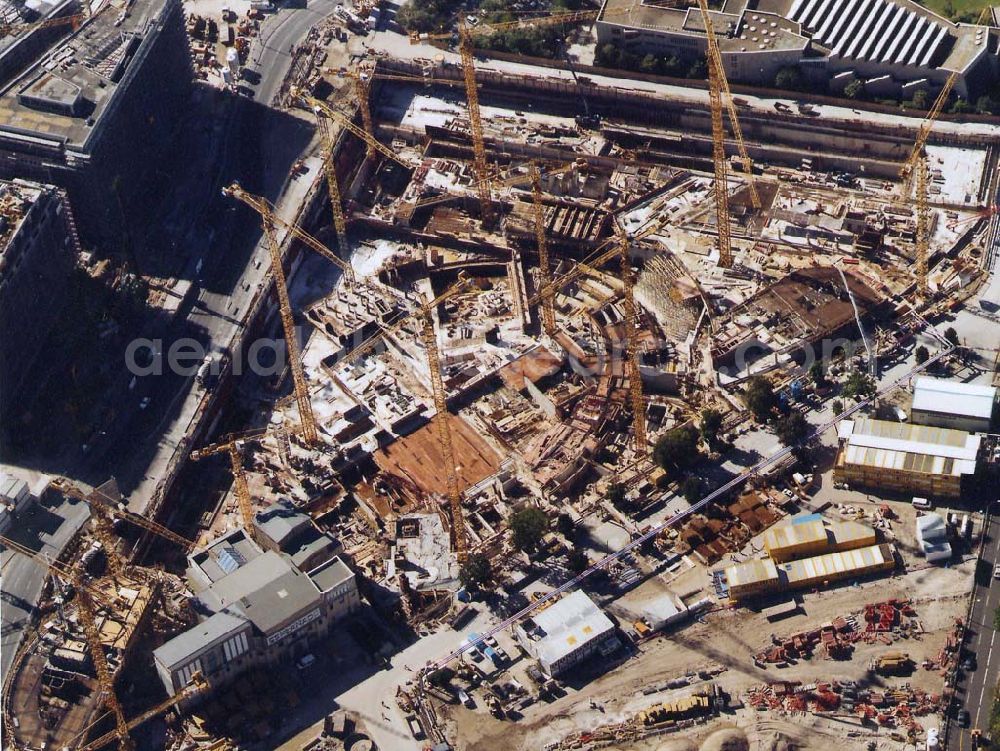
809, 536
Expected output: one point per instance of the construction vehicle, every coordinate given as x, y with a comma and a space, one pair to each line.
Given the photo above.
719, 97
428, 334
891, 663
306, 416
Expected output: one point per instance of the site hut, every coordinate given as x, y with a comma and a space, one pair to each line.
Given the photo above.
261, 610
566, 633
808, 535
763, 576
932, 536
950, 404
904, 458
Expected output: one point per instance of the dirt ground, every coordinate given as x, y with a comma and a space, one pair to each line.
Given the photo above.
724, 640
418, 457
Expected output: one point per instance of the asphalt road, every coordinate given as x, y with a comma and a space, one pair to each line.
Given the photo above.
46, 529
975, 689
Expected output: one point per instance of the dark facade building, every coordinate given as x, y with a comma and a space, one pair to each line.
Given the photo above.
93, 114
38, 250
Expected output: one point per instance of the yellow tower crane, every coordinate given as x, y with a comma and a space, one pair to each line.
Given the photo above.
719, 96
428, 333
88, 619
466, 50
544, 266
232, 446
631, 344
15, 28
306, 416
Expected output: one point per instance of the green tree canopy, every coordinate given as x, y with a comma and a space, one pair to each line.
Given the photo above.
677, 448
760, 397
921, 354
711, 424
476, 572
792, 428
528, 526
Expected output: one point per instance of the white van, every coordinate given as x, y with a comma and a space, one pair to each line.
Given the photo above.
306, 661
922, 503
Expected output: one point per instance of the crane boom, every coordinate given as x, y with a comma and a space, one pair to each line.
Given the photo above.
103, 504
725, 242
333, 187
479, 166
197, 685
264, 208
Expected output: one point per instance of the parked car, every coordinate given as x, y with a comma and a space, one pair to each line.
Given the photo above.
305, 662
964, 720
969, 664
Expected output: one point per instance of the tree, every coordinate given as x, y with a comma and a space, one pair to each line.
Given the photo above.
476, 572
818, 373
859, 385
920, 99
698, 69
649, 64
789, 78
996, 619
577, 561
566, 525
760, 398
837, 407
616, 494
692, 489
854, 90
960, 107
951, 335
607, 55
922, 354
528, 526
677, 448
711, 424
792, 428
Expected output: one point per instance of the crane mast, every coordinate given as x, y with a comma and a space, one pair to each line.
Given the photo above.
631, 347
333, 186
479, 166
86, 611
923, 227
544, 267
429, 335
231, 448
725, 241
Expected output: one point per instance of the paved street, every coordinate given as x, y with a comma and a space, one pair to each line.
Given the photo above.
975, 690
45, 529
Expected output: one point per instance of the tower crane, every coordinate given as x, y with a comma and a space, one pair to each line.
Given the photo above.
631, 344
231, 445
103, 505
914, 174
428, 333
306, 416
544, 268
719, 96
15, 28
87, 613
465, 49
194, 687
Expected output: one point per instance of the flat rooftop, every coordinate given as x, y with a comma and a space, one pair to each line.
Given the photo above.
954, 398
912, 448
16, 199
63, 95
568, 625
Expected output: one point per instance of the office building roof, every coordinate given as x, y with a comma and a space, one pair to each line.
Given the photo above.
568, 625
62, 96
281, 521
907, 447
224, 555
954, 398
184, 646
279, 600
330, 574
